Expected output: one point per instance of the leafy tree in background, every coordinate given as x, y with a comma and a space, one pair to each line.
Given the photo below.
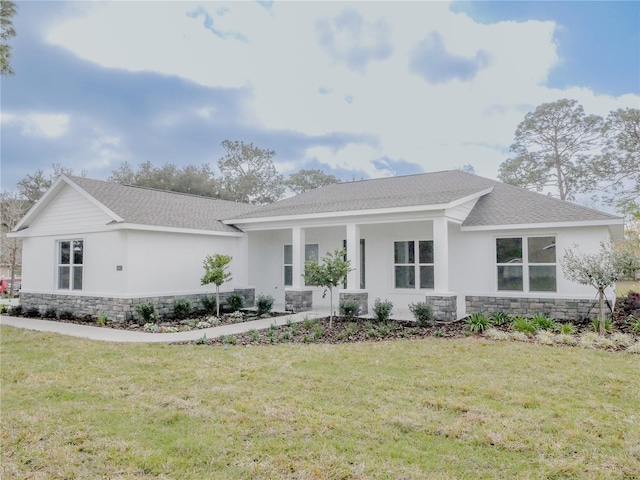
549, 145
12, 209
7, 11
33, 186
328, 274
248, 173
617, 169
306, 180
188, 179
215, 271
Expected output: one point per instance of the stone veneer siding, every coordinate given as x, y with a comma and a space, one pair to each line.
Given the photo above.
560, 308
119, 309
298, 300
444, 307
361, 297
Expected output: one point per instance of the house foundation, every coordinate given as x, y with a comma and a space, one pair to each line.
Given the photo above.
444, 307
559, 308
119, 309
298, 300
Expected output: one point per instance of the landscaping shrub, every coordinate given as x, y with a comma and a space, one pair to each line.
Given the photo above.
235, 301
181, 308
66, 315
566, 328
627, 306
523, 325
50, 313
3, 308
596, 324
264, 304
349, 307
382, 310
32, 312
16, 310
635, 326
542, 322
209, 304
499, 319
477, 323
422, 312
147, 312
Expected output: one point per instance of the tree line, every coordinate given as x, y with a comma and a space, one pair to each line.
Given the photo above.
559, 148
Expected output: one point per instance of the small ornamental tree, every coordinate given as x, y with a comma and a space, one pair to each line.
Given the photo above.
600, 270
328, 274
215, 271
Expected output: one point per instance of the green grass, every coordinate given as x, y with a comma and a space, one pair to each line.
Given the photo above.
434, 408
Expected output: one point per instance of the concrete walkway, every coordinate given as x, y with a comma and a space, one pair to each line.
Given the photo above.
107, 334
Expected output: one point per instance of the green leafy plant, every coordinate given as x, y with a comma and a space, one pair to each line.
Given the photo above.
477, 322
318, 332
422, 312
542, 322
102, 320
66, 315
3, 309
599, 328
147, 312
566, 328
349, 307
181, 308
229, 340
202, 340
499, 319
50, 313
16, 310
209, 303
32, 312
235, 301
254, 335
635, 326
523, 325
382, 310
264, 304
216, 272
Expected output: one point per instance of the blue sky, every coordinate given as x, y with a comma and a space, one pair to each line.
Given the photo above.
362, 89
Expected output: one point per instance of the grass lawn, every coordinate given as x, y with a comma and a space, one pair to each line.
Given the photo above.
433, 408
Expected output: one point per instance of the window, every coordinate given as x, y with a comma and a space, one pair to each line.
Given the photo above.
310, 251
363, 282
526, 264
70, 264
413, 264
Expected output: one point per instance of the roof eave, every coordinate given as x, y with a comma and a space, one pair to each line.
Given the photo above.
525, 226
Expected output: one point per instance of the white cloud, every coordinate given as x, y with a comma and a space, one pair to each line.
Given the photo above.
45, 125
358, 80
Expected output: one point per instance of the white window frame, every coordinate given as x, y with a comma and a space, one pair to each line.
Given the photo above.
416, 264
72, 265
525, 264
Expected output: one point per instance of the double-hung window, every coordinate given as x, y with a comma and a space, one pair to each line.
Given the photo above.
70, 264
310, 251
526, 264
413, 264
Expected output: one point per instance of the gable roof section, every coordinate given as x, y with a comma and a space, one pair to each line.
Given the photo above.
149, 207
498, 205
432, 190
508, 206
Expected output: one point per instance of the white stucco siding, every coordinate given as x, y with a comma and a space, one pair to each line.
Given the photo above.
69, 212
102, 252
160, 263
473, 259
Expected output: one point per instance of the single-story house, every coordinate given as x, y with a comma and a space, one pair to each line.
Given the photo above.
461, 242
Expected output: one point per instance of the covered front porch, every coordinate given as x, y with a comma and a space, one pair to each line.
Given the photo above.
404, 261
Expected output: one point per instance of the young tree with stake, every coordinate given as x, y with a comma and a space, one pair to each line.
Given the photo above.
329, 274
215, 268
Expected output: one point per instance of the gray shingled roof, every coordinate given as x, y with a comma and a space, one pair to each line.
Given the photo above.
145, 206
505, 205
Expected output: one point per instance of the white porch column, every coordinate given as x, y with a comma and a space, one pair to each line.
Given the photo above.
297, 250
441, 254
353, 255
